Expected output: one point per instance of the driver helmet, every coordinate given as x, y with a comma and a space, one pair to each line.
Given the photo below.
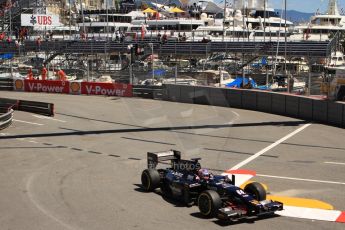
204, 174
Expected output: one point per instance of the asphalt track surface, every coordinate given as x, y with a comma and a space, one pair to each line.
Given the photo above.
81, 169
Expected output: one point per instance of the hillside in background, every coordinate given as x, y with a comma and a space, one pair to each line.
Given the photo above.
296, 16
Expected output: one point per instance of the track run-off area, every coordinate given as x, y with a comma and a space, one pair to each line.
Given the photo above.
81, 168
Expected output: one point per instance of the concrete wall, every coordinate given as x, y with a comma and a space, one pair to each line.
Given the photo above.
322, 111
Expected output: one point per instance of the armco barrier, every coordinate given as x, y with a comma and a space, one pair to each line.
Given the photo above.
218, 97
291, 106
320, 112
305, 108
234, 97
7, 103
335, 113
187, 94
344, 115
5, 118
6, 84
264, 101
36, 107
249, 100
148, 91
172, 92
202, 96
301, 107
278, 105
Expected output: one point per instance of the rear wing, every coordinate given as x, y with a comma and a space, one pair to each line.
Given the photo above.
154, 158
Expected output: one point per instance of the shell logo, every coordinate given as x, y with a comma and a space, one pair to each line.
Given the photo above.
19, 85
75, 87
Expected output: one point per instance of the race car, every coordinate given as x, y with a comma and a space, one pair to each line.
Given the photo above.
215, 195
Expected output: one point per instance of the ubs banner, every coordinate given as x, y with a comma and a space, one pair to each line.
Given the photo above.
40, 20
66, 87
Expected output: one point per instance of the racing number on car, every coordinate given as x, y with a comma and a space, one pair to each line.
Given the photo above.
240, 192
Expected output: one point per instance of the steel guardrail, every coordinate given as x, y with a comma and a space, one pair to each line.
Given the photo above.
6, 119
148, 91
6, 84
43, 108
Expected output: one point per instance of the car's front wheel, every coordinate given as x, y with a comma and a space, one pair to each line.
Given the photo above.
256, 190
209, 203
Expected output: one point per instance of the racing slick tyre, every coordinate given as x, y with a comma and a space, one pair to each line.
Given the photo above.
150, 179
256, 190
209, 203
166, 190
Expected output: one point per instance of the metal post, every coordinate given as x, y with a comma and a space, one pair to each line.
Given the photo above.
223, 19
285, 36
152, 59
107, 13
70, 20
264, 20
175, 74
82, 15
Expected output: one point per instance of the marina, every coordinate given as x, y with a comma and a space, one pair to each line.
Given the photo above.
156, 43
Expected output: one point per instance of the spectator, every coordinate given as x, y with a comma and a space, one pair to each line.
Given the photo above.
165, 38
159, 36
184, 37
44, 72
30, 74
61, 75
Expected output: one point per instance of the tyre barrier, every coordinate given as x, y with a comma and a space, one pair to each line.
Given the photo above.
300, 107
5, 118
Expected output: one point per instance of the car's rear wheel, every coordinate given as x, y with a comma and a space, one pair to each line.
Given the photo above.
209, 203
150, 179
256, 190
165, 189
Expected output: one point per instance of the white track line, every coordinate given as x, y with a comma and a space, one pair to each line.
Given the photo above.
270, 147
27, 122
302, 179
48, 118
334, 163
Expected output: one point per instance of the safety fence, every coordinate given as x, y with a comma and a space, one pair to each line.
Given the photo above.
305, 48
306, 108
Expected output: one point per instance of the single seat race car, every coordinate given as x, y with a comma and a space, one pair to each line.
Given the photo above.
215, 195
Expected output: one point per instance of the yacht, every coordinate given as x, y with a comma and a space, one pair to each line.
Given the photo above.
322, 26
255, 21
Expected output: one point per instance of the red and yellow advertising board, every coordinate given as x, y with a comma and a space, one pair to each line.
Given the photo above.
66, 87
43, 86
108, 89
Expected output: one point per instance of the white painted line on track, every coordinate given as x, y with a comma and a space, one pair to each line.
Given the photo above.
48, 118
302, 179
27, 122
334, 163
239, 165
35, 142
